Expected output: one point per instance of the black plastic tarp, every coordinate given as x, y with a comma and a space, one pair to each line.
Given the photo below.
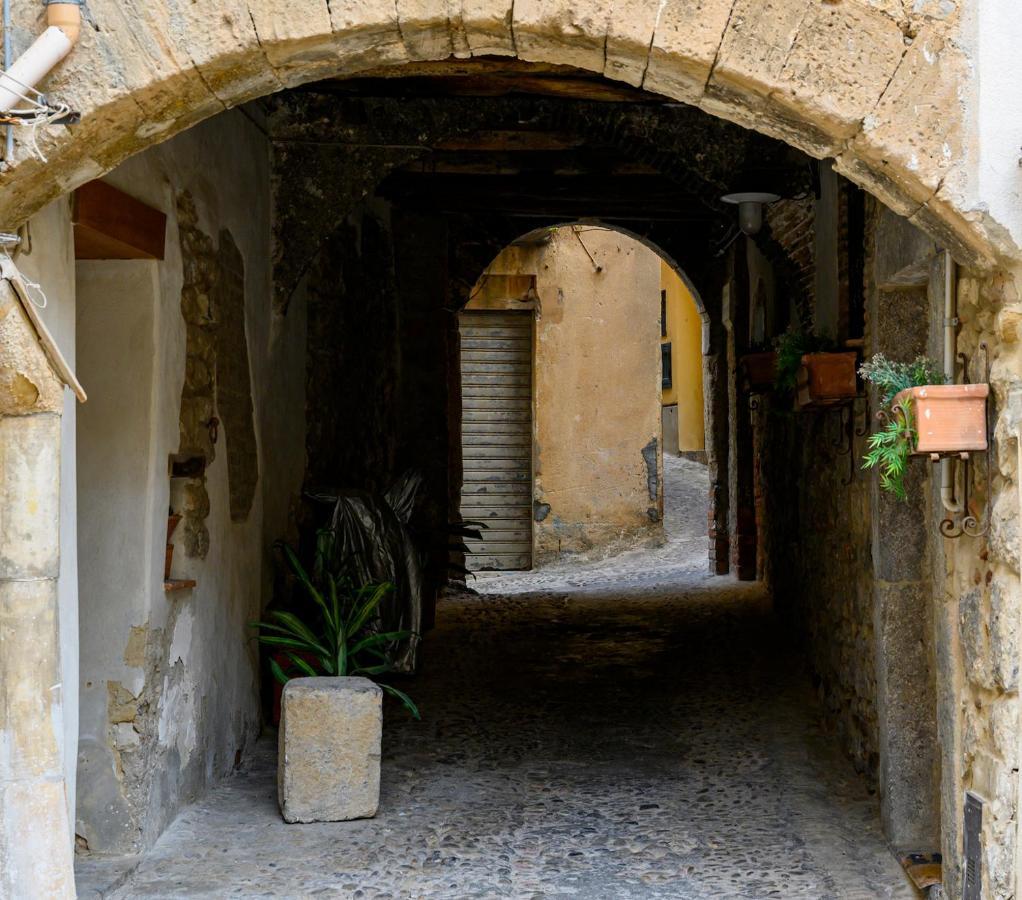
373, 543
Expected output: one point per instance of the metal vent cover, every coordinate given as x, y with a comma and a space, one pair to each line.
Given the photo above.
972, 883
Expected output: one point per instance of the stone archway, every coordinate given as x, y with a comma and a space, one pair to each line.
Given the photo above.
836, 80
876, 88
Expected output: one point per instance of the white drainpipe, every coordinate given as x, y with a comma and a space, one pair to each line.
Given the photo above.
63, 23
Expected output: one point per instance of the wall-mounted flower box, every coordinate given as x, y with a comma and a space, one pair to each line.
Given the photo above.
825, 379
760, 370
946, 418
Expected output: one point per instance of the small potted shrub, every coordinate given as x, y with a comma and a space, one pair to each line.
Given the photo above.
759, 369
329, 663
925, 416
809, 367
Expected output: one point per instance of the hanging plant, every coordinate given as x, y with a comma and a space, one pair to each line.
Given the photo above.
889, 450
891, 446
794, 343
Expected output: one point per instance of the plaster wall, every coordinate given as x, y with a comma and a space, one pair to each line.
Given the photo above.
597, 455
169, 681
685, 332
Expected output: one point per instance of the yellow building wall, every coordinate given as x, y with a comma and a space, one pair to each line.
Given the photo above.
685, 332
598, 473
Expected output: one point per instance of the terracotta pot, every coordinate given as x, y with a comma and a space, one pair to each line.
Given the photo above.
760, 370
948, 418
827, 378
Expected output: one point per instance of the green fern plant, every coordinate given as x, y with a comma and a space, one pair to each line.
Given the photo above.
889, 452
891, 447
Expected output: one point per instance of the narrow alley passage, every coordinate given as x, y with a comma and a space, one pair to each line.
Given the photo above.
616, 730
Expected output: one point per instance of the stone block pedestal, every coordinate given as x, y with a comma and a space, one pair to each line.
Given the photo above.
328, 767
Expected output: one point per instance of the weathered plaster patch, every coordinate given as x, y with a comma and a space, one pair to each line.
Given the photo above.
651, 457
134, 652
122, 705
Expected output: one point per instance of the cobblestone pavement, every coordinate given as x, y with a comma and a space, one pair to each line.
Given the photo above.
622, 733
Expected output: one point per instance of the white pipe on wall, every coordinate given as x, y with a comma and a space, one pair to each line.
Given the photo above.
63, 25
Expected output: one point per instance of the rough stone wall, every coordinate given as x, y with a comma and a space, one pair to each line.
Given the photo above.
978, 619
851, 567
818, 564
353, 363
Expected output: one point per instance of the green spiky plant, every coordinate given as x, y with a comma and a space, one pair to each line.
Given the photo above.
889, 450
339, 639
891, 447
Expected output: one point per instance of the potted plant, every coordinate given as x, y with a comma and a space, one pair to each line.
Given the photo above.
328, 664
759, 369
826, 378
925, 416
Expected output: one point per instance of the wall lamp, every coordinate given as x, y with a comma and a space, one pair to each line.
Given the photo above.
750, 209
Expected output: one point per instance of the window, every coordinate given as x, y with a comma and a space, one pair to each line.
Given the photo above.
665, 365
663, 314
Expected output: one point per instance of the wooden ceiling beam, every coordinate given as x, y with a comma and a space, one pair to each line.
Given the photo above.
110, 224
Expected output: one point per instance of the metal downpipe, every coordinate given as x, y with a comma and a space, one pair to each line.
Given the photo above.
947, 472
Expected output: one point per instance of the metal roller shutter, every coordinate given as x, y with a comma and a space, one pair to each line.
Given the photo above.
496, 437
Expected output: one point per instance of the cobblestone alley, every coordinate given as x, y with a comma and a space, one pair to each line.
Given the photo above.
626, 729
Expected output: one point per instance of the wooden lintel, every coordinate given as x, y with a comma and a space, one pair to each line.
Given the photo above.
110, 224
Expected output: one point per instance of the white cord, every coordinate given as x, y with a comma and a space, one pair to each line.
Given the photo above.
44, 114
32, 286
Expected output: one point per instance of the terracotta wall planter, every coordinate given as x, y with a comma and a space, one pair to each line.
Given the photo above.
948, 418
827, 378
760, 370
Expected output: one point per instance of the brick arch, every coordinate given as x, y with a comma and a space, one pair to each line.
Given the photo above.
869, 84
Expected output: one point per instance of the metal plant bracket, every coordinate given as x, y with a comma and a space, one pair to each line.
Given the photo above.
965, 523
850, 430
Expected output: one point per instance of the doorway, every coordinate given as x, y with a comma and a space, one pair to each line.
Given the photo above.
496, 437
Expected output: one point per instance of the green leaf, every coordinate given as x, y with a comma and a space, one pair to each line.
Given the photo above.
272, 640
342, 650
361, 616
382, 637
303, 665
298, 627
335, 603
404, 698
299, 570
373, 670
278, 672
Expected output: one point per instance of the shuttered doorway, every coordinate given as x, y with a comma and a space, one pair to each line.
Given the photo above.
496, 437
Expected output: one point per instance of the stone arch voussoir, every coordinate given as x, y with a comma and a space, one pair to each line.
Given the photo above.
869, 84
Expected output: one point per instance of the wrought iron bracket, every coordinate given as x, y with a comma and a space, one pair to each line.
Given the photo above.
955, 526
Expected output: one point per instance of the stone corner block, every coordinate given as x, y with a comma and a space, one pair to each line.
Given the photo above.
328, 769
